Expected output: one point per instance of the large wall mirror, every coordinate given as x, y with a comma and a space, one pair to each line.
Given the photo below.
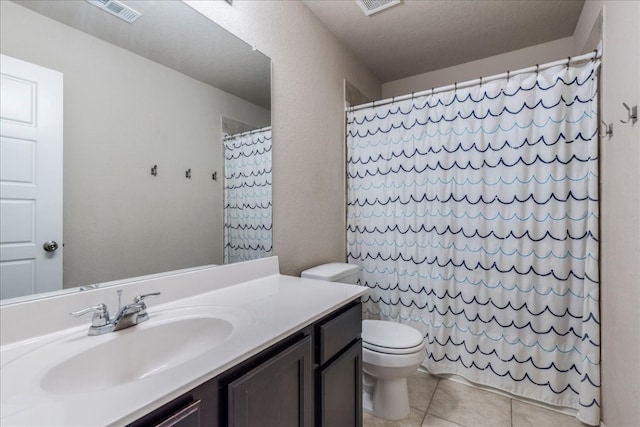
146, 107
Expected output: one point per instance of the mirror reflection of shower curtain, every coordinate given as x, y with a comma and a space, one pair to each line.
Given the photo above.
247, 196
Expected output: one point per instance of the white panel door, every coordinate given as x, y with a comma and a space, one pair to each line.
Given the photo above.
30, 178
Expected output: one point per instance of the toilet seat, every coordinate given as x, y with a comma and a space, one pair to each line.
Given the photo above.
391, 350
387, 337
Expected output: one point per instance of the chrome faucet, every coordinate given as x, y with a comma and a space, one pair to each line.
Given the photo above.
127, 316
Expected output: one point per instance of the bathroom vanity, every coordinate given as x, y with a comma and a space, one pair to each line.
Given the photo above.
236, 345
312, 377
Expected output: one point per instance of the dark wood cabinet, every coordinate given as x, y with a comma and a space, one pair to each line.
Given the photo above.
277, 393
339, 368
339, 402
189, 416
198, 408
311, 378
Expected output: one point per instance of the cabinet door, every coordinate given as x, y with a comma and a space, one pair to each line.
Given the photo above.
340, 390
277, 393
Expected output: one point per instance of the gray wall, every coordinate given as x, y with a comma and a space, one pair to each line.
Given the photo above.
308, 151
619, 205
515, 60
309, 69
123, 114
619, 181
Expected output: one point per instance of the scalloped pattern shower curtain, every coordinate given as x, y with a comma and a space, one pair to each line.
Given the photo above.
473, 216
247, 196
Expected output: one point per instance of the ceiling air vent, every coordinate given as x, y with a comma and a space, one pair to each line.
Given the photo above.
117, 9
369, 7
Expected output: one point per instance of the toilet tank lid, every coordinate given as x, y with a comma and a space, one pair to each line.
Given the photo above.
331, 272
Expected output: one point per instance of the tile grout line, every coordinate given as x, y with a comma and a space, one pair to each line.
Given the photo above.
432, 396
448, 421
430, 399
426, 411
511, 411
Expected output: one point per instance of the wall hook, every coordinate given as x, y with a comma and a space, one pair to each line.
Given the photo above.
188, 173
154, 170
632, 114
214, 176
608, 130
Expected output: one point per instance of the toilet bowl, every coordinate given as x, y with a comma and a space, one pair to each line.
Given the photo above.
390, 352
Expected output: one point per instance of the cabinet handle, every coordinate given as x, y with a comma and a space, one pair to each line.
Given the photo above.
181, 415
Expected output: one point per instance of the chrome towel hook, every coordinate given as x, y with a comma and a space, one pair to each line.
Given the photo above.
608, 130
632, 114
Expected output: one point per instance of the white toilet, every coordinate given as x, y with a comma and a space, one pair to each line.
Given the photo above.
390, 352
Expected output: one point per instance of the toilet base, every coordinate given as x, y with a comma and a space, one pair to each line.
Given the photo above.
368, 384
385, 382
388, 399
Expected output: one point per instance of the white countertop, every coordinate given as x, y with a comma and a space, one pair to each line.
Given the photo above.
267, 310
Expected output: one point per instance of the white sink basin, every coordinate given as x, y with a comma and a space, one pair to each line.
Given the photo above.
136, 353
79, 363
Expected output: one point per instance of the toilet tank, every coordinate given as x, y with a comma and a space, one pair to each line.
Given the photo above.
333, 272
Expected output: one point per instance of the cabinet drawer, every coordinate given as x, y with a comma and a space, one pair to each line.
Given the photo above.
338, 332
186, 417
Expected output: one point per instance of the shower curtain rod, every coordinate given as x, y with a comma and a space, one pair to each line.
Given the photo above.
249, 132
595, 54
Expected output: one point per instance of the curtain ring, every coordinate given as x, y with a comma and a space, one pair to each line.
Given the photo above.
412, 94
508, 75
595, 55
393, 100
480, 81
537, 69
432, 90
568, 60
455, 87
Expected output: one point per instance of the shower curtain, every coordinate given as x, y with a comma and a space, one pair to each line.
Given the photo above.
247, 196
473, 216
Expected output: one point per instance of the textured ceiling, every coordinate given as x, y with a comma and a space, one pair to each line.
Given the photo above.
418, 36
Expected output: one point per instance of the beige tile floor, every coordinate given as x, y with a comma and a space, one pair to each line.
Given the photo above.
439, 402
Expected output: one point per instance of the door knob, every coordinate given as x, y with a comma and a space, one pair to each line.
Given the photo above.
50, 246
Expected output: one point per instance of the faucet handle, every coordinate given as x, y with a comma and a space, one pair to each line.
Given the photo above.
142, 314
140, 298
100, 316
